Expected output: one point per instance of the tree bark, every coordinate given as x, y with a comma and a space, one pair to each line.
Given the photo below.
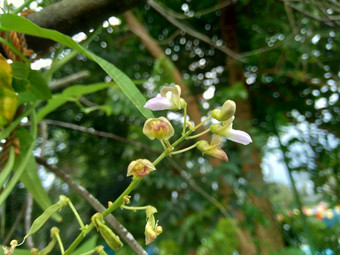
73, 16
270, 237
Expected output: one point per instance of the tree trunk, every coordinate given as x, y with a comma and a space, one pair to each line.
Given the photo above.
269, 236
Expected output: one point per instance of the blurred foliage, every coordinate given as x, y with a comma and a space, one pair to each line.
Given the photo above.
293, 85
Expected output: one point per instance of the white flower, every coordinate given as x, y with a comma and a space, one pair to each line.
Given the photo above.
170, 99
226, 130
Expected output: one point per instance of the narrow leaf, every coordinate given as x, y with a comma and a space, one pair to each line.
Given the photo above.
10, 22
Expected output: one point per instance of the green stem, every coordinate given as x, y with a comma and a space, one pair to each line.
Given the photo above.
23, 163
62, 250
198, 135
185, 120
135, 181
190, 131
76, 214
134, 208
184, 150
25, 4
163, 144
117, 203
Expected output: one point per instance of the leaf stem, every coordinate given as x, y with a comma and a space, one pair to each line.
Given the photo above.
185, 120
62, 250
76, 214
134, 208
25, 4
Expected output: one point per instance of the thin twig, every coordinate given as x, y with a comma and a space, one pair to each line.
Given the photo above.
18, 218
80, 190
92, 131
192, 32
211, 9
28, 219
64, 82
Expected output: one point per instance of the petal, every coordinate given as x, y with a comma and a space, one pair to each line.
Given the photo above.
238, 136
148, 164
159, 103
130, 168
220, 154
216, 140
147, 129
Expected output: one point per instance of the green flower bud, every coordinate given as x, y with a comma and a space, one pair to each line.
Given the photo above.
41, 220
140, 168
158, 128
227, 111
152, 230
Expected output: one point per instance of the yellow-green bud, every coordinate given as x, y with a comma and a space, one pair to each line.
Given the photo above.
227, 111
140, 168
158, 128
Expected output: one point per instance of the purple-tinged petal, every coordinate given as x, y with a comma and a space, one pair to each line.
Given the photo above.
220, 154
158, 104
238, 136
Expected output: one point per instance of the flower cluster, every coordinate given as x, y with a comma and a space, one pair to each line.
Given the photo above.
161, 129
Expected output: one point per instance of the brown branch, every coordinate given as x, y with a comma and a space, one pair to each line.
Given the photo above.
164, 12
92, 131
80, 190
65, 81
211, 9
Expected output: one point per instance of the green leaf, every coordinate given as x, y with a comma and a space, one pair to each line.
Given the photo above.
86, 246
37, 90
20, 70
32, 182
21, 161
10, 22
70, 94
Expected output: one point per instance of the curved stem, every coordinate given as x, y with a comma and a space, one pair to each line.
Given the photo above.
185, 120
184, 150
76, 214
198, 135
117, 203
134, 208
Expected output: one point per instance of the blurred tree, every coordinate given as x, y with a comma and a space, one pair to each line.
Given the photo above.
277, 60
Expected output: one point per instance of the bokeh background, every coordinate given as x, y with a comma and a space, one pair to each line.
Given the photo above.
278, 60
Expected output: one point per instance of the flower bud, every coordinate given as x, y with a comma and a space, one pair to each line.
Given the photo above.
41, 220
152, 230
158, 128
170, 99
126, 199
228, 132
140, 168
213, 149
227, 111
